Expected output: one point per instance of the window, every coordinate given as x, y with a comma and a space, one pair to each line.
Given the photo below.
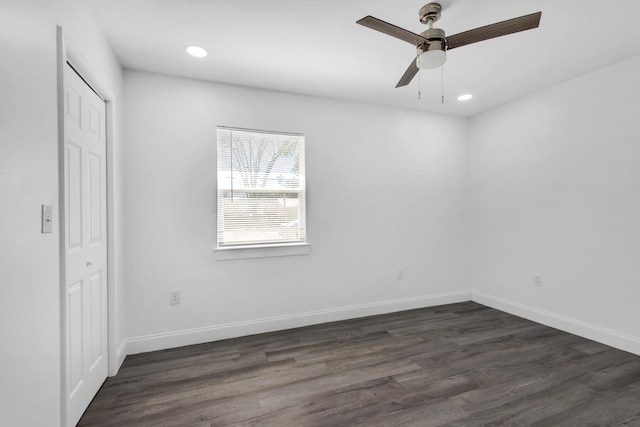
261, 188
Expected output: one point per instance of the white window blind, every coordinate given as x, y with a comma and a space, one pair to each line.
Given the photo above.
261, 188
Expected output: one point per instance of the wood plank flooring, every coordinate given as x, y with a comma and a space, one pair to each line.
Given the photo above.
454, 365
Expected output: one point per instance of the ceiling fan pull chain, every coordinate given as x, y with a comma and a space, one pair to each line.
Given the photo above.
419, 87
442, 83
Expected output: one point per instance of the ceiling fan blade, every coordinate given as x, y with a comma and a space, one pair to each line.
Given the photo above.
498, 29
391, 30
409, 74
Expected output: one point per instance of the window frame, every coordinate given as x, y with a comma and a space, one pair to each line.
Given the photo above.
266, 248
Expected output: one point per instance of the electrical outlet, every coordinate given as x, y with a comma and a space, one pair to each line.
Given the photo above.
537, 281
174, 297
400, 274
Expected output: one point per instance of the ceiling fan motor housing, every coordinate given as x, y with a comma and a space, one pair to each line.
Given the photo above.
436, 40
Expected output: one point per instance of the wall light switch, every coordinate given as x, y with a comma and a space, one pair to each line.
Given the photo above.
47, 219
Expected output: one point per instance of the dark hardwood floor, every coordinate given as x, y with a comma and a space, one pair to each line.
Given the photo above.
459, 365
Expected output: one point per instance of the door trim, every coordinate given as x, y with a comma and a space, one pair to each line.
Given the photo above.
67, 54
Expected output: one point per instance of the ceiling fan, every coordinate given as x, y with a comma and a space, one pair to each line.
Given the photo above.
432, 45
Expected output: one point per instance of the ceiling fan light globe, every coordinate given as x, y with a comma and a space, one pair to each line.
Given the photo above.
431, 59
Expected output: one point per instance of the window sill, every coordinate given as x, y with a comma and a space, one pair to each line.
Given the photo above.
263, 251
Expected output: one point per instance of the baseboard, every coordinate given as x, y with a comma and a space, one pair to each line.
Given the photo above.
596, 333
233, 330
163, 341
116, 362
121, 354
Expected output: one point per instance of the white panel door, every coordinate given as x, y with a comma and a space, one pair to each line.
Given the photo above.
85, 237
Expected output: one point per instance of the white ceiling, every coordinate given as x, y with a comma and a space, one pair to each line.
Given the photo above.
316, 48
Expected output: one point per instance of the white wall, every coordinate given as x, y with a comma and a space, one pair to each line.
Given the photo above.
555, 192
386, 190
29, 263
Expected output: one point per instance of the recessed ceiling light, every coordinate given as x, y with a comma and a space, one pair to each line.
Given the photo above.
465, 97
197, 51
